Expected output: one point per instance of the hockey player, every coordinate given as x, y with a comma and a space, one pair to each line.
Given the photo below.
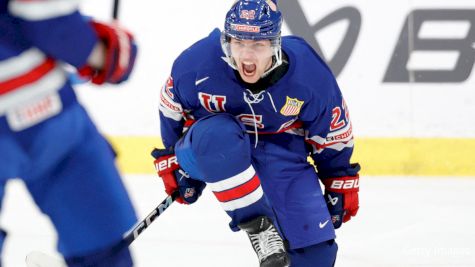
258, 105
46, 137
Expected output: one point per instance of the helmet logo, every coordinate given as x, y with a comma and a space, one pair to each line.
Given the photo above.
248, 14
245, 28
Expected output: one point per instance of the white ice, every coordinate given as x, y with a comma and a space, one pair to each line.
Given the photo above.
402, 221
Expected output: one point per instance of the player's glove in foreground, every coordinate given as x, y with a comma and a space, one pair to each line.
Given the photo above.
120, 54
341, 194
267, 242
176, 178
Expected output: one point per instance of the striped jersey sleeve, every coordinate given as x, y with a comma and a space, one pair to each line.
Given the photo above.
329, 130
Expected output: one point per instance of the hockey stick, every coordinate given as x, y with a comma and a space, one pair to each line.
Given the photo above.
39, 259
115, 10
134, 233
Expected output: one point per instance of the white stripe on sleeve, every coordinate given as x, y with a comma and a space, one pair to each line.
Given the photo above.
41, 10
244, 201
21, 64
233, 181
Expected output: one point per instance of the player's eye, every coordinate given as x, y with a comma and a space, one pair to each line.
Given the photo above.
259, 45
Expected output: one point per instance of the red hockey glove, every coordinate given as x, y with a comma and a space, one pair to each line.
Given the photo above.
174, 178
341, 194
120, 54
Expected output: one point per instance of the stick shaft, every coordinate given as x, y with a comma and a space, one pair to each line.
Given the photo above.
39, 259
130, 236
115, 10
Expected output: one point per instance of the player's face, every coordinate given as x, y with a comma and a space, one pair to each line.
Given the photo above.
253, 58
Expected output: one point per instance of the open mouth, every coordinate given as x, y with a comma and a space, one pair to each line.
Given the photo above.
249, 69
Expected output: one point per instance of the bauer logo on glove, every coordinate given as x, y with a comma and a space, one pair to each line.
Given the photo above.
341, 194
176, 179
345, 184
166, 163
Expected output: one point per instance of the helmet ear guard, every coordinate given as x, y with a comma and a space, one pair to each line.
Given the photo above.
253, 20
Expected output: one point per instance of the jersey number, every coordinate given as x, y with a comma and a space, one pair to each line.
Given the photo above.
337, 122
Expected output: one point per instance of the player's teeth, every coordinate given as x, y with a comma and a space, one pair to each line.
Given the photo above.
249, 67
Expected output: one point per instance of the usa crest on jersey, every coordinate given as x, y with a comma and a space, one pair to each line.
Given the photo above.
292, 107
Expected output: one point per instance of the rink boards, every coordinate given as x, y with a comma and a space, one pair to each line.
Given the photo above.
404, 67
378, 156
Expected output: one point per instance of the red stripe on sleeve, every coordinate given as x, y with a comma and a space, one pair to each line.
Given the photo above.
238, 191
27, 78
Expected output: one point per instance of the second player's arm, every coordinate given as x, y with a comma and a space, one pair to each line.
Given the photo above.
330, 135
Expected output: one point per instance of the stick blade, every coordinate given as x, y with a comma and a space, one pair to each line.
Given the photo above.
40, 259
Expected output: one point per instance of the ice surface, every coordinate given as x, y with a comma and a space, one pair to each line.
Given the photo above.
402, 221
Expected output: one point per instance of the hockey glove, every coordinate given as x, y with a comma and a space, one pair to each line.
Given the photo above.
119, 58
341, 195
174, 178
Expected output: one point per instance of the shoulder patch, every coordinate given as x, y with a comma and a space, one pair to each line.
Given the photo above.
292, 107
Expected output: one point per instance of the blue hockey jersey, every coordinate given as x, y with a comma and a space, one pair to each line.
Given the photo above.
46, 137
37, 38
305, 102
